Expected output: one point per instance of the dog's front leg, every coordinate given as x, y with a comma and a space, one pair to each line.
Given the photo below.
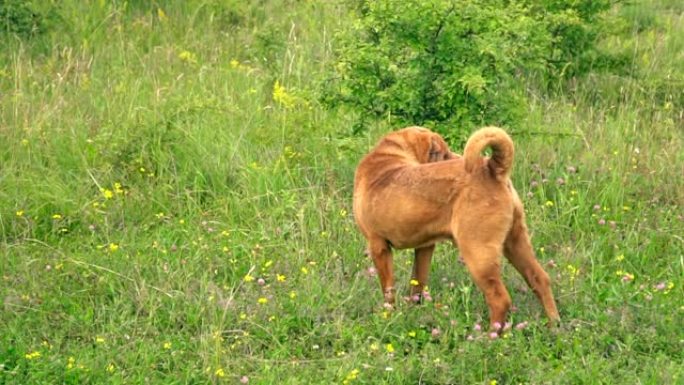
421, 270
382, 258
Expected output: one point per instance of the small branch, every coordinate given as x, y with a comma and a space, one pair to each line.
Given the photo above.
77, 262
98, 267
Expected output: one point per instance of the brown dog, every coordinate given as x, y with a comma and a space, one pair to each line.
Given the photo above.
411, 191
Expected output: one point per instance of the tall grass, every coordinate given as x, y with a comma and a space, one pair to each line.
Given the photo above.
175, 208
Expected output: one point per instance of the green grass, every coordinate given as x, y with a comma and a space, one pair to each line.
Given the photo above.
147, 168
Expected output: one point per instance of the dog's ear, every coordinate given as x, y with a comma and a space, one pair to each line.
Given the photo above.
435, 154
438, 150
428, 146
424, 147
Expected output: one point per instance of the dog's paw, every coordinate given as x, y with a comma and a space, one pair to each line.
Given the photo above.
554, 324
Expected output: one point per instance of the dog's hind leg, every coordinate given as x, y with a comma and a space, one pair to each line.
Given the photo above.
483, 262
518, 249
421, 269
382, 258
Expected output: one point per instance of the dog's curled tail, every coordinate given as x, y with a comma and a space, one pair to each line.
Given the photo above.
502, 151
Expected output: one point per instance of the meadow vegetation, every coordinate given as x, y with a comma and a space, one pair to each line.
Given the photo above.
175, 206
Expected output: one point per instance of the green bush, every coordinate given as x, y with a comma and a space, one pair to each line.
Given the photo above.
574, 27
455, 64
20, 18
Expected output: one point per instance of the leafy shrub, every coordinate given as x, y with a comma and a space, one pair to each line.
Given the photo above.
19, 17
574, 27
455, 64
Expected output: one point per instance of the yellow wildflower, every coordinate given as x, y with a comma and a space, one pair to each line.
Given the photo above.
280, 278
20, 213
220, 373
108, 194
217, 336
351, 376
626, 277
57, 216
167, 345
187, 56
248, 278
262, 300
281, 96
113, 247
118, 188
572, 271
32, 355
389, 348
414, 282
110, 368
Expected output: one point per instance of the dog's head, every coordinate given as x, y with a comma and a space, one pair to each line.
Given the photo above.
420, 143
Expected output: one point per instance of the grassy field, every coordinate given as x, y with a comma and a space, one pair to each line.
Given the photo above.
175, 207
